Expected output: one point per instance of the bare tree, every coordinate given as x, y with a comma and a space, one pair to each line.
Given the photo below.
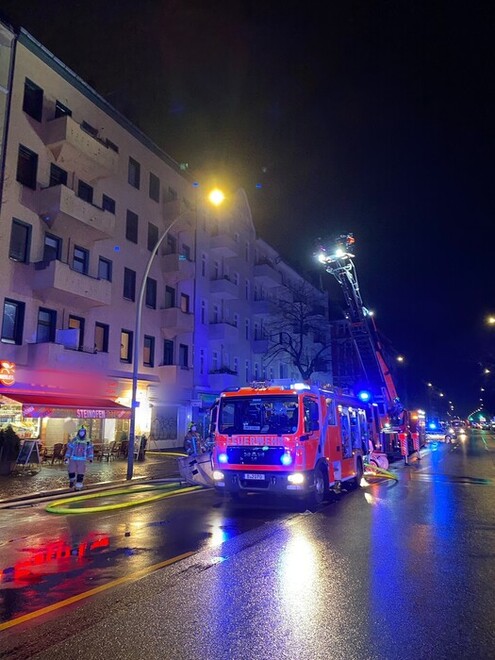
299, 330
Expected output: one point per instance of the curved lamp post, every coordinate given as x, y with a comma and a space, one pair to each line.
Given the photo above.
216, 198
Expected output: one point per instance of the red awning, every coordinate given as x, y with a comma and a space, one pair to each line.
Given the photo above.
55, 405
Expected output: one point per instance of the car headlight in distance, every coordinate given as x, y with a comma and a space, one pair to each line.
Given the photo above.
218, 476
297, 478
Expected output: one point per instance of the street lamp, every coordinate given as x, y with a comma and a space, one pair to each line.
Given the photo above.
217, 199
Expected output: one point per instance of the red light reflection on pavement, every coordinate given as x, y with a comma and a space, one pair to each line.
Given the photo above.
50, 573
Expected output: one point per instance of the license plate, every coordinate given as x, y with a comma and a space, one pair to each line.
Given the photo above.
254, 475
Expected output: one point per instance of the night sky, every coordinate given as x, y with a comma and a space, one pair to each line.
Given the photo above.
370, 117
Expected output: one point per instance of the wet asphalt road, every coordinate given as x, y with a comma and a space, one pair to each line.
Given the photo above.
394, 570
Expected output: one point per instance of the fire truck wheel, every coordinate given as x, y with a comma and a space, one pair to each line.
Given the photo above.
316, 497
356, 482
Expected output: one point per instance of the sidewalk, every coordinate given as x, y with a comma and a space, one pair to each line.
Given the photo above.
157, 465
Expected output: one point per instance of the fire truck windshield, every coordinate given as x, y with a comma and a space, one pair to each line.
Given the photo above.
258, 415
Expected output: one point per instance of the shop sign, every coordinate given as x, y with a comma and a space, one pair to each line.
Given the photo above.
7, 373
29, 410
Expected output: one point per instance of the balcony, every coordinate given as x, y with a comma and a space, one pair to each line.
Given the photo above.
224, 288
78, 151
175, 377
220, 381
61, 209
177, 268
223, 245
223, 332
58, 282
266, 274
49, 353
176, 322
263, 308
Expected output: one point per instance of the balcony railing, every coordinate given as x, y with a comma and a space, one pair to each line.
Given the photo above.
223, 331
266, 274
176, 322
63, 210
177, 268
58, 282
80, 151
224, 288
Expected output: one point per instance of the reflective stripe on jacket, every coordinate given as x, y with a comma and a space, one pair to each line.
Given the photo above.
79, 450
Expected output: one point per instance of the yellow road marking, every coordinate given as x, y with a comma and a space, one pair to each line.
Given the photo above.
92, 592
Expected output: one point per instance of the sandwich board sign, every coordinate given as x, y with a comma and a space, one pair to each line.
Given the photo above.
28, 453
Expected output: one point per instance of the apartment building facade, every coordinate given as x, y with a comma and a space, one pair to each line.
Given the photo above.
85, 198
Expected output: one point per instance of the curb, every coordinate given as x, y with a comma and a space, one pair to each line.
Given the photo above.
34, 498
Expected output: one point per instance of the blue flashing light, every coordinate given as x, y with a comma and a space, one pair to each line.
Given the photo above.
286, 459
223, 458
364, 396
116, 248
195, 184
432, 425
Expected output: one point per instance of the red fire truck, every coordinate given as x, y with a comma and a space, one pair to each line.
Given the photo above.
291, 439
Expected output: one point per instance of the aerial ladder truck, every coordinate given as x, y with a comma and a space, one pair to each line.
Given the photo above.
398, 426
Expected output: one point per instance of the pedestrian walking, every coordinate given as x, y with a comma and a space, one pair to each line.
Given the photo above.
79, 450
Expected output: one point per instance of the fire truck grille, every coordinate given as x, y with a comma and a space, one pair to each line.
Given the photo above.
255, 455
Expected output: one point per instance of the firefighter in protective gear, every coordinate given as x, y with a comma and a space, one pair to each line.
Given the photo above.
192, 443
79, 450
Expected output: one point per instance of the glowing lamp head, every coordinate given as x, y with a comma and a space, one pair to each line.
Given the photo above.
286, 459
218, 476
339, 253
297, 478
321, 257
216, 197
223, 458
364, 396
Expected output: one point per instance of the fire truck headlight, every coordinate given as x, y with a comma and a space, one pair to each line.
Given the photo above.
297, 478
218, 476
223, 458
286, 459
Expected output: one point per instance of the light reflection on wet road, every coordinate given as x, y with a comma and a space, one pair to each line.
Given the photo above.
391, 571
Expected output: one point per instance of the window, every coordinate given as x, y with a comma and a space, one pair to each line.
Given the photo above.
129, 284
203, 265
183, 355
101, 337
150, 293
154, 187
171, 244
216, 270
126, 346
246, 370
168, 351
12, 321
236, 279
149, 351
27, 167
104, 269
85, 191
214, 362
236, 320
152, 236
77, 323
186, 252
134, 173
216, 314
20, 241
131, 227
247, 289
202, 361
80, 260
52, 248
184, 303
58, 176
47, 323
169, 297
62, 110
203, 312
246, 329
236, 365
246, 251
33, 100
108, 204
